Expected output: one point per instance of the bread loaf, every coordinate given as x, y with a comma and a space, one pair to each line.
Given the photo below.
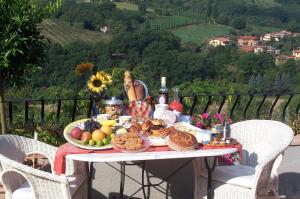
129, 86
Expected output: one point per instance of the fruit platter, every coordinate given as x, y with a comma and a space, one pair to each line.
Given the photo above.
90, 134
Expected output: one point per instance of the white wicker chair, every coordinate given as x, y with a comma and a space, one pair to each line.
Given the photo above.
263, 144
22, 182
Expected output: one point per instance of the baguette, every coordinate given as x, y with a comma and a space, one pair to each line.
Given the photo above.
129, 86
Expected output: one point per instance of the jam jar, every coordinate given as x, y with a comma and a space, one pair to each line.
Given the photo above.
113, 107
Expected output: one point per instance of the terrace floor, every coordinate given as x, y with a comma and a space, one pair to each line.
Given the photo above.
106, 182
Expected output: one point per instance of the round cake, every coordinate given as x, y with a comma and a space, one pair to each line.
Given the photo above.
182, 141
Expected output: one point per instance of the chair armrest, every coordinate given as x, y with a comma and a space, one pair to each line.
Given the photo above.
14, 174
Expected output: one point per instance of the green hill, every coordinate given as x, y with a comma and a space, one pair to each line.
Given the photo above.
63, 33
201, 32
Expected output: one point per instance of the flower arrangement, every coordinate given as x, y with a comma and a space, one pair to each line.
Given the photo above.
98, 83
205, 121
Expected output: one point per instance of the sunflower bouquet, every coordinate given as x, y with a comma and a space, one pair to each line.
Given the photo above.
99, 82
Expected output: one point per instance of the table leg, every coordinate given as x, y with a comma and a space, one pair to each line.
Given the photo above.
209, 177
145, 193
122, 183
90, 174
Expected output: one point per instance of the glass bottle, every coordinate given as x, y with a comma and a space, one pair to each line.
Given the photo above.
163, 92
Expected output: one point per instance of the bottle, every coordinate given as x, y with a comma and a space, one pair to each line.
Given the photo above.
163, 92
175, 104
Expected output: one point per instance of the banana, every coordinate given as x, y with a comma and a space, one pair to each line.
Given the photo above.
108, 122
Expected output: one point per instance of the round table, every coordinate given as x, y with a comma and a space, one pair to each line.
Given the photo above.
152, 155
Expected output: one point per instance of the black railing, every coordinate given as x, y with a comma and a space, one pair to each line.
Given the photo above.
239, 106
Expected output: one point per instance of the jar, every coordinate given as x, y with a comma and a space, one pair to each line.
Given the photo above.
113, 107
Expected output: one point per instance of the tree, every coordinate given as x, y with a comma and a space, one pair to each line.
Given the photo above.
21, 44
239, 23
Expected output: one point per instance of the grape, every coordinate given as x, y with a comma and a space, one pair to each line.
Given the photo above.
91, 125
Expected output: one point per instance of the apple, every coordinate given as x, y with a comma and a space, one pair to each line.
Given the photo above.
85, 137
76, 133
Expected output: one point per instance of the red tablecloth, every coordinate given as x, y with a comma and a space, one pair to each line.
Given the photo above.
66, 149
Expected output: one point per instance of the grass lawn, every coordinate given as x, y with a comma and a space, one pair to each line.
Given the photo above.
265, 29
201, 32
62, 33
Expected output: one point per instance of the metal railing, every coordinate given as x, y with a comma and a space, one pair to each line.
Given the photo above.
239, 106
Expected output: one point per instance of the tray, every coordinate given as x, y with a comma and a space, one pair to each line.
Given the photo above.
77, 143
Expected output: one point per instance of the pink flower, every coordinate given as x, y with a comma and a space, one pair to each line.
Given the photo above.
199, 125
229, 121
219, 117
205, 116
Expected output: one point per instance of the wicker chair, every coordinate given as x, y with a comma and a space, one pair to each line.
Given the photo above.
24, 182
264, 142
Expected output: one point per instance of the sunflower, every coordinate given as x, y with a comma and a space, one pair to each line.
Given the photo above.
97, 83
82, 68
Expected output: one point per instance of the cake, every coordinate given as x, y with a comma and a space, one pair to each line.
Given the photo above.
182, 141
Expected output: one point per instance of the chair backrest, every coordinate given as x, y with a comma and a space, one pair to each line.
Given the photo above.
12, 147
261, 139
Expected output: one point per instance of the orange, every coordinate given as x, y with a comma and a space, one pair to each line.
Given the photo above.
98, 135
107, 130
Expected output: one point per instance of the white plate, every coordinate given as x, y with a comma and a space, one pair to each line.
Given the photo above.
157, 141
80, 124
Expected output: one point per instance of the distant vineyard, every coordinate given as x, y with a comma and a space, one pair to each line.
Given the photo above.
165, 22
174, 18
181, 12
62, 33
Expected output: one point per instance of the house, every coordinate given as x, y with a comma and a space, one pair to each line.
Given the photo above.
260, 49
104, 29
277, 36
283, 58
219, 41
247, 41
296, 54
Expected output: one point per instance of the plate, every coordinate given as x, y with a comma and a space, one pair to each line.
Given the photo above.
229, 142
146, 146
157, 141
80, 124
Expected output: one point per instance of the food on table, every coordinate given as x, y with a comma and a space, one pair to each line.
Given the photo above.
113, 107
158, 122
156, 127
138, 110
92, 142
91, 125
121, 131
129, 86
128, 141
107, 130
182, 141
108, 122
85, 137
98, 135
76, 133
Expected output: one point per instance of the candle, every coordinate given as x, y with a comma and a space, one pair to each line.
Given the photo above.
35, 137
224, 131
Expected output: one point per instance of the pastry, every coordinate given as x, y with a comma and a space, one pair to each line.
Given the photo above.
128, 141
157, 122
129, 86
147, 125
182, 141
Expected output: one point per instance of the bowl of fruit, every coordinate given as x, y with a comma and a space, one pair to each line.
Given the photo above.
90, 134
